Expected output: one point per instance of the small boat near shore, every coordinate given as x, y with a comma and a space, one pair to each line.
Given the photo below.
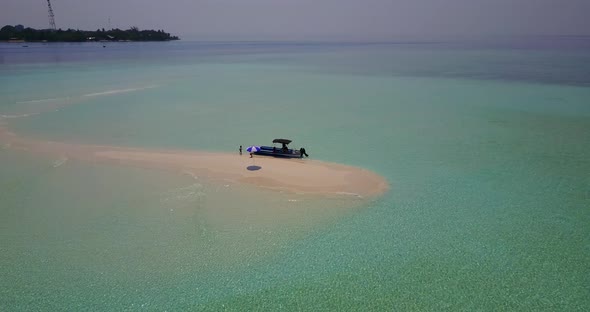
281, 151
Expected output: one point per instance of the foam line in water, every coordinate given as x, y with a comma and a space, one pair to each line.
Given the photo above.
56, 103
40, 101
117, 91
349, 194
15, 116
62, 160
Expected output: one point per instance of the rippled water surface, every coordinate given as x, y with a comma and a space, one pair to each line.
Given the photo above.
485, 146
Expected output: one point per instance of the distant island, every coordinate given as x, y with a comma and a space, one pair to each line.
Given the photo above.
20, 33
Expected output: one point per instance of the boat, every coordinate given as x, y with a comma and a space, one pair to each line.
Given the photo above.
281, 151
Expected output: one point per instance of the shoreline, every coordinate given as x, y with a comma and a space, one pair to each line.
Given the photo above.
83, 41
293, 175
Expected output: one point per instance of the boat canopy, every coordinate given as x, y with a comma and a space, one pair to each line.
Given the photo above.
282, 141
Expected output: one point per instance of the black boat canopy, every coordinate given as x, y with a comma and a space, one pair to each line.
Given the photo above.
283, 141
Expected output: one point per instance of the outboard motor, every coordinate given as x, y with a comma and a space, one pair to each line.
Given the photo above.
302, 152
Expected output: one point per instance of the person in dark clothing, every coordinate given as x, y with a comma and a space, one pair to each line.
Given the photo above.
240, 150
302, 152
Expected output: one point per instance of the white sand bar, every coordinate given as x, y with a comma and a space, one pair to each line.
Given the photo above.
294, 175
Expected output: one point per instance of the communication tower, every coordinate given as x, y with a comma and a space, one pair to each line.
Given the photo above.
51, 16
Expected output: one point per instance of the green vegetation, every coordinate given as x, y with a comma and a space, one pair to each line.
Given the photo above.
19, 32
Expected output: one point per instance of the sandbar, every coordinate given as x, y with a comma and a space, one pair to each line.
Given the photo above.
304, 176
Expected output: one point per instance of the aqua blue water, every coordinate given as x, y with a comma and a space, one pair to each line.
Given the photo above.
484, 144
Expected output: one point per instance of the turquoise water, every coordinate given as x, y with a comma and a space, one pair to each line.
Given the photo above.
485, 147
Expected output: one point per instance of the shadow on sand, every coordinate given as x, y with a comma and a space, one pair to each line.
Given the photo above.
253, 168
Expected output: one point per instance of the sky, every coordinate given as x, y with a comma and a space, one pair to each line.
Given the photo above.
369, 20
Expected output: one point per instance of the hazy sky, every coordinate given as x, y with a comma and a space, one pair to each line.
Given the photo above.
312, 19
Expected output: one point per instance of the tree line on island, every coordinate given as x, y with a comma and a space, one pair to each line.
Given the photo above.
21, 33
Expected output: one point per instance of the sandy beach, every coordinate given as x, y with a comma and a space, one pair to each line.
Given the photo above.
293, 175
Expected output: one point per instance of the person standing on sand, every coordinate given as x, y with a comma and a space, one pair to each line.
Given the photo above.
240, 150
302, 152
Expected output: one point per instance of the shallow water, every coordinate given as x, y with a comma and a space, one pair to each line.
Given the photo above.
485, 147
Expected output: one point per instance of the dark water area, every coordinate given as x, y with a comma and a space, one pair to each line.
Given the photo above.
553, 60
